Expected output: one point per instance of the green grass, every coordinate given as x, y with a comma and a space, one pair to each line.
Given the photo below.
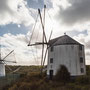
31, 79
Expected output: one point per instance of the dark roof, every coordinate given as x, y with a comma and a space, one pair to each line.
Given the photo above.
63, 40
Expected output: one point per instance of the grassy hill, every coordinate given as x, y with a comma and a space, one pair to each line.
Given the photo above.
31, 79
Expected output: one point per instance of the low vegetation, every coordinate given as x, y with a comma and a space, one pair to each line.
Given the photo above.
31, 79
62, 74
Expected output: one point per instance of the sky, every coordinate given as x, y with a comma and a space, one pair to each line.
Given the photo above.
17, 19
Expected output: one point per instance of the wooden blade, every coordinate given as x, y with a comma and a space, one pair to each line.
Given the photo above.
16, 70
9, 61
8, 55
33, 30
45, 55
37, 43
7, 66
47, 49
42, 25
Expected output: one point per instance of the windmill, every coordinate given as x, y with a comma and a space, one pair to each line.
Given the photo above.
3, 62
44, 39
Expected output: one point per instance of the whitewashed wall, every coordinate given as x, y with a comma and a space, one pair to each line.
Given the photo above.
68, 55
2, 70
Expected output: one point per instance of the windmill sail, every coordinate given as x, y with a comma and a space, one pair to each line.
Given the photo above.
43, 41
10, 57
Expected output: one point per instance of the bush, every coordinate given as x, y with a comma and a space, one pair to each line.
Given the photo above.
62, 74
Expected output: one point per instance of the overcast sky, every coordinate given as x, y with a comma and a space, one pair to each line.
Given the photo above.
17, 18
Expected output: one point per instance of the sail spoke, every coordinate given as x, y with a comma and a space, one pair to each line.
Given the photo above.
8, 55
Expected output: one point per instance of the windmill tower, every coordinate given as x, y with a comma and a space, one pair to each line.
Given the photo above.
66, 51
3, 62
2, 67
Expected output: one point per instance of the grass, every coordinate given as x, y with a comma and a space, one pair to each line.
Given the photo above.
31, 79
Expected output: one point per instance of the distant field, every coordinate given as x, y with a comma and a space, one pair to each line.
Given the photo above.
14, 76
24, 69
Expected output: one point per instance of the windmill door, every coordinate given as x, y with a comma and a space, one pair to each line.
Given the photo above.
51, 74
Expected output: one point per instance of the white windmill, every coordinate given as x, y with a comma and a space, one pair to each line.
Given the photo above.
3, 62
61, 51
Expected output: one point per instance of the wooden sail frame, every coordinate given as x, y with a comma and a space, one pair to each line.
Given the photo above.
44, 39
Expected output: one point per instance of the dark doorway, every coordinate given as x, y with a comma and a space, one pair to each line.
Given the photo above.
51, 74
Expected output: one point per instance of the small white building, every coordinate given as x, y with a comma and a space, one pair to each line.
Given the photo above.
66, 51
2, 69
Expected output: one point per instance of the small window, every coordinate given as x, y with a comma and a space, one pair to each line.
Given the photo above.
81, 59
52, 48
51, 60
80, 47
82, 70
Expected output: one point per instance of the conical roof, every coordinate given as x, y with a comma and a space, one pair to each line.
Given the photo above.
63, 40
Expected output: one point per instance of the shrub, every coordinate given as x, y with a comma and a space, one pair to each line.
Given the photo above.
62, 74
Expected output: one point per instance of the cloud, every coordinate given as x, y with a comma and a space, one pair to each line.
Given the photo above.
24, 55
4, 6
78, 12
15, 11
18, 12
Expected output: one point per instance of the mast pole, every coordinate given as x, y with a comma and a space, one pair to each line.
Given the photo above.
0, 48
42, 25
43, 36
43, 39
44, 16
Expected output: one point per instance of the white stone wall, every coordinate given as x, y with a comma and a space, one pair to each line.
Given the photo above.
68, 55
2, 70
